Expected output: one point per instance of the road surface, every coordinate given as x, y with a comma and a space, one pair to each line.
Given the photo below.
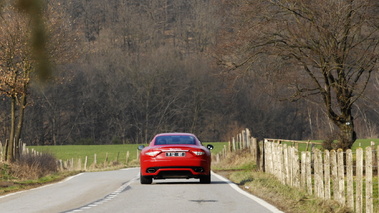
120, 191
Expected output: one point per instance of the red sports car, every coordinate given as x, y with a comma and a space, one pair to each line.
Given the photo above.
175, 155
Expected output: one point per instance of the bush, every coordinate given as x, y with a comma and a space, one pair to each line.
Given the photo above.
32, 166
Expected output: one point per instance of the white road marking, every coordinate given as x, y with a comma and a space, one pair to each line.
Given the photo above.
256, 199
105, 199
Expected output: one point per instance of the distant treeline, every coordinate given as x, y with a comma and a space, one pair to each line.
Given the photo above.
144, 67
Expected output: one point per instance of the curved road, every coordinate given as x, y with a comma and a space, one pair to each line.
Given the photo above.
120, 191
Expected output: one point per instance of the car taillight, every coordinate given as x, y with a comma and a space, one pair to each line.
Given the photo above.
198, 152
153, 153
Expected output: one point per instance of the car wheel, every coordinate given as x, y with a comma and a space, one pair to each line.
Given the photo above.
205, 179
146, 179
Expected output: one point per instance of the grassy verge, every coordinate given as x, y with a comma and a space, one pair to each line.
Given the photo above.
10, 181
238, 168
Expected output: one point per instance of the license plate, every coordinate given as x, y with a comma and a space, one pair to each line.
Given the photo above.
175, 154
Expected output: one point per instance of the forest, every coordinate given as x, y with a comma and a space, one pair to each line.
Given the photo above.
124, 70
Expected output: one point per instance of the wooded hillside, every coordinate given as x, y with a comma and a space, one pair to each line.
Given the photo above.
129, 69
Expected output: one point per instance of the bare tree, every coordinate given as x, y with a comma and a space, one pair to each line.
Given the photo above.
328, 49
20, 61
16, 66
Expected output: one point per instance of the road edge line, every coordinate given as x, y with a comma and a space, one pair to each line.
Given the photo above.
255, 198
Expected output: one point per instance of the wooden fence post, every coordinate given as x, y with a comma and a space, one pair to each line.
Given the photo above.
284, 162
60, 165
303, 182
72, 164
279, 164
85, 163
65, 165
247, 137
359, 181
291, 164
318, 174
333, 166
377, 168
243, 140
341, 176
349, 180
233, 144
270, 158
94, 159
106, 158
127, 157
254, 147
369, 191
79, 166
327, 174
23, 151
308, 175
1, 152
263, 155
224, 151
295, 167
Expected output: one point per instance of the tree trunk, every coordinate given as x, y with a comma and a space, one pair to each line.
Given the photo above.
347, 135
9, 156
20, 123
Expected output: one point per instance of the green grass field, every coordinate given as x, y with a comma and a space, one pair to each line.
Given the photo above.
365, 142
117, 153
109, 153
113, 152
358, 143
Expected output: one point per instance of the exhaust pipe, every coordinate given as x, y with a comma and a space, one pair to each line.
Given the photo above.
151, 170
198, 169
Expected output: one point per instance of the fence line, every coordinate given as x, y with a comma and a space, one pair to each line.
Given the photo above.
343, 176
77, 164
328, 174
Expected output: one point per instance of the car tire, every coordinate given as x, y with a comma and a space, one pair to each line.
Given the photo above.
146, 179
205, 179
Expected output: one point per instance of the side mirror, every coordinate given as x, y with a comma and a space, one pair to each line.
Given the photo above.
140, 147
210, 147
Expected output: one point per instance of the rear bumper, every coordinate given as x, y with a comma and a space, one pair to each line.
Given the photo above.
166, 173
192, 169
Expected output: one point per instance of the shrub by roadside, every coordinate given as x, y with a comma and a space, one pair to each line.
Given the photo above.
30, 171
31, 166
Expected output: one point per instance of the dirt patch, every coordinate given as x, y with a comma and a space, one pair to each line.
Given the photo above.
4, 184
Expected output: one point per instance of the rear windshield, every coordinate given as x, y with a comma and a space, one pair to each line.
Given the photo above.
174, 139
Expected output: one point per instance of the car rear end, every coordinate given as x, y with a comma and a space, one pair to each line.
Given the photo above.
175, 162
175, 155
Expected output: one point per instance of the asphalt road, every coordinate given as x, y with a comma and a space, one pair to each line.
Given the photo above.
120, 191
